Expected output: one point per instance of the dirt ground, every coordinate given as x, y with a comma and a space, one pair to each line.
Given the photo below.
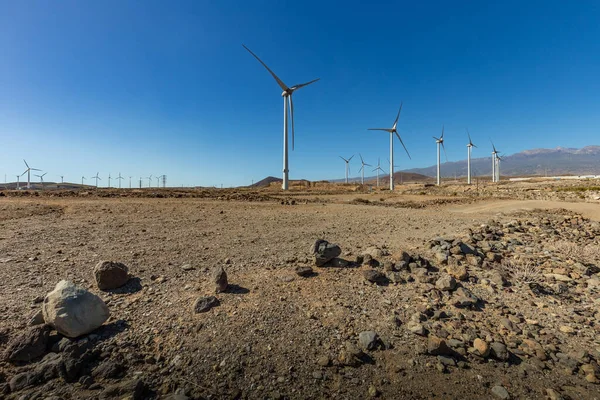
275, 334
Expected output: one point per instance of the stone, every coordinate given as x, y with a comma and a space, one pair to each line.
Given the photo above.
23, 380
203, 304
323, 361
374, 276
481, 347
323, 252
458, 272
368, 340
553, 394
566, 329
187, 267
437, 346
28, 345
36, 319
446, 283
73, 311
219, 278
499, 351
133, 389
500, 392
108, 369
441, 257
304, 271
464, 298
416, 328
110, 275
350, 356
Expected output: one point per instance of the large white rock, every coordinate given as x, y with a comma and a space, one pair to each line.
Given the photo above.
72, 310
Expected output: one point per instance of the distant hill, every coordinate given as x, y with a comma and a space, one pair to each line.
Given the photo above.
558, 161
266, 182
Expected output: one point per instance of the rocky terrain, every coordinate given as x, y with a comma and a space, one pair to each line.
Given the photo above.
229, 294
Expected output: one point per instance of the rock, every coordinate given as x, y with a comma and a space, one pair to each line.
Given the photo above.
108, 369
324, 361
446, 283
500, 392
464, 298
416, 328
553, 394
437, 346
110, 275
203, 304
350, 356
219, 278
459, 272
36, 319
481, 347
373, 392
28, 345
73, 311
566, 329
187, 267
134, 390
441, 257
374, 276
499, 351
339, 263
304, 271
323, 252
23, 380
368, 340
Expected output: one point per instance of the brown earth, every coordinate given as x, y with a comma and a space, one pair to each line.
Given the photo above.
278, 335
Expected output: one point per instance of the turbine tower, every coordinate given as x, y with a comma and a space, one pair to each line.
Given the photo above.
82, 178
130, 181
498, 159
97, 178
469, 148
158, 181
396, 166
28, 172
392, 130
378, 169
18, 186
149, 181
287, 98
109, 178
62, 179
494, 155
120, 178
362, 169
347, 165
440, 141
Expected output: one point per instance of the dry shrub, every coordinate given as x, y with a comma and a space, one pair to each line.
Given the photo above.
588, 254
523, 271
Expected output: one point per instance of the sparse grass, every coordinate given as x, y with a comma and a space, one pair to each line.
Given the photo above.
359, 200
523, 272
578, 189
588, 254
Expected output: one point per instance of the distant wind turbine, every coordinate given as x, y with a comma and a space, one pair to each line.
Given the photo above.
18, 186
109, 178
362, 169
378, 169
28, 172
97, 178
120, 178
347, 165
440, 141
494, 162
392, 130
42, 179
287, 98
469, 148
149, 181
130, 182
158, 181
82, 178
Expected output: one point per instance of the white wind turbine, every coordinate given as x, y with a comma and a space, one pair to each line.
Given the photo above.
362, 169
378, 169
498, 159
149, 181
469, 148
392, 130
28, 172
120, 178
97, 178
440, 141
109, 178
18, 186
287, 98
494, 162
347, 165
130, 181
42, 179
158, 181
82, 178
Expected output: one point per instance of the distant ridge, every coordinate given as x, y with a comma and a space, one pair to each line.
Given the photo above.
266, 181
557, 161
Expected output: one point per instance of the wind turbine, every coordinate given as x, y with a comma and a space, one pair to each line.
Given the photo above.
287, 98
82, 178
42, 179
396, 166
362, 169
498, 159
18, 187
62, 179
130, 181
347, 165
109, 178
378, 169
469, 148
97, 178
494, 163
158, 181
392, 130
149, 181
440, 141
120, 178
28, 171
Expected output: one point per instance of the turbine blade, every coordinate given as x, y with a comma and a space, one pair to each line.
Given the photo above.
435, 138
292, 118
397, 116
361, 159
343, 158
351, 157
470, 141
296, 87
441, 137
405, 149
26, 163
445, 155
379, 129
368, 165
279, 81
35, 169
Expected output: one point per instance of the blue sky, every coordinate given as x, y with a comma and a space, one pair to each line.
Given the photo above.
148, 87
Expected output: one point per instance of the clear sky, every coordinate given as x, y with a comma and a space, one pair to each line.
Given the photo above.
165, 87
